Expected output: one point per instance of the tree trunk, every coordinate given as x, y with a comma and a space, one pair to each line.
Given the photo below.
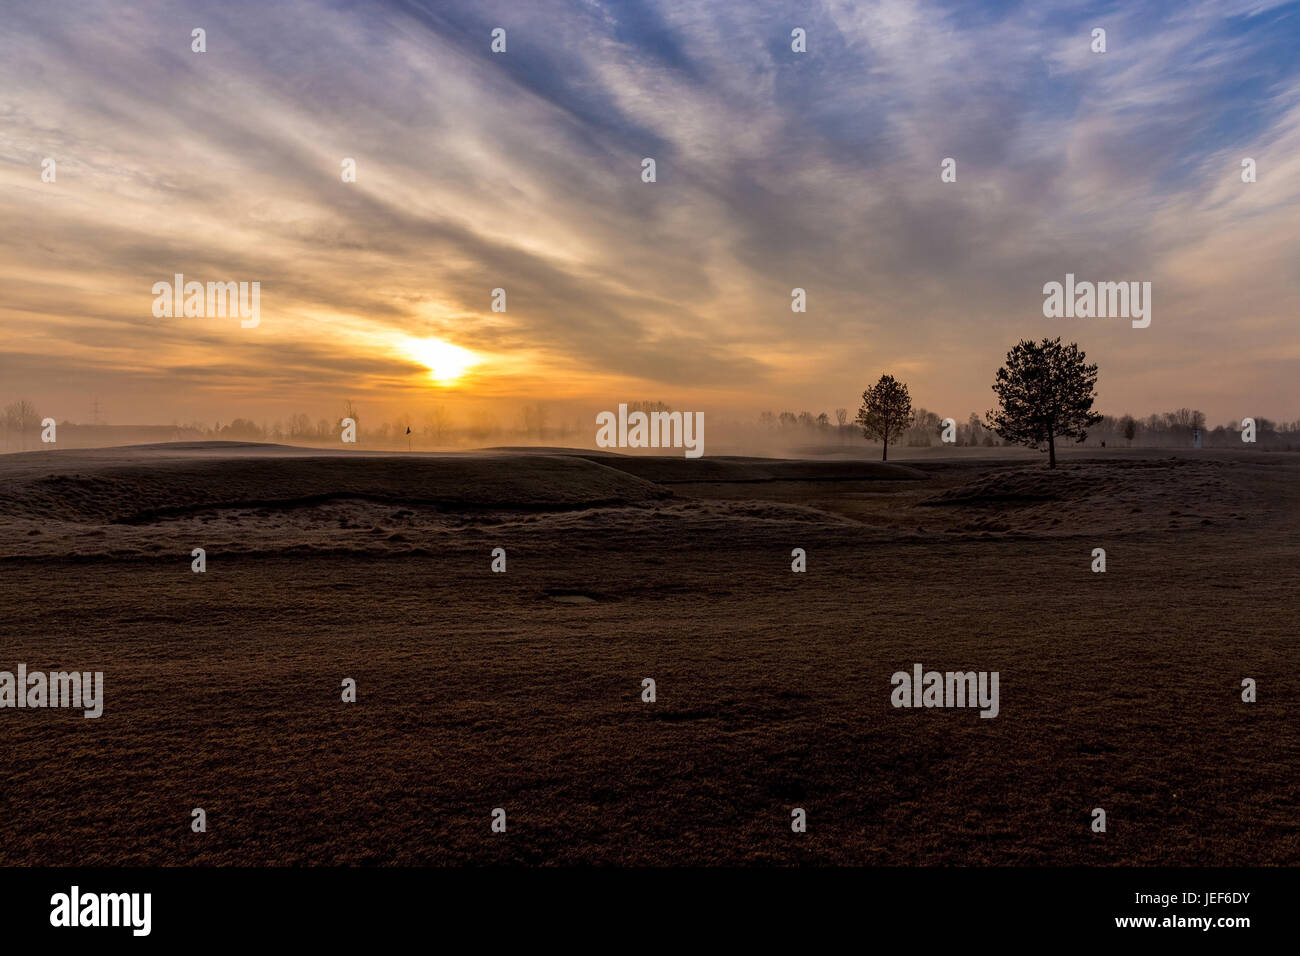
1051, 450
884, 454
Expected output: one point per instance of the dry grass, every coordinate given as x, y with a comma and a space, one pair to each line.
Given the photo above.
521, 690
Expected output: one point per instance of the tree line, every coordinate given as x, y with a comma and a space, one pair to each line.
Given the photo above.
433, 426
1045, 391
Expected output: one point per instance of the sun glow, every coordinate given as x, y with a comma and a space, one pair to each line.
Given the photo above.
446, 362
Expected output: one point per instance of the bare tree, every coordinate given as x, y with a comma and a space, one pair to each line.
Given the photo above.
437, 424
925, 426
350, 411
20, 416
535, 419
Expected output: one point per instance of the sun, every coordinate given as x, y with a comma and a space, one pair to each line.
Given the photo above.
446, 362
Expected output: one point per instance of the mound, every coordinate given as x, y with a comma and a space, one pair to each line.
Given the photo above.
1093, 496
681, 470
1020, 487
128, 488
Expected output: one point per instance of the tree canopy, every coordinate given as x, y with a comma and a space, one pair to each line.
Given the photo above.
1045, 389
886, 412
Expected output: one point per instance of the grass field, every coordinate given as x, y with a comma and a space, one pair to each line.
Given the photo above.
521, 690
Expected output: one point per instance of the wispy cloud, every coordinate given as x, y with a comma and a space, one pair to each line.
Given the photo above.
776, 170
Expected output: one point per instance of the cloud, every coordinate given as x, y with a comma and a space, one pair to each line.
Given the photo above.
522, 171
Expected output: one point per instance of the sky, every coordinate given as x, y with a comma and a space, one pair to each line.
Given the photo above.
522, 170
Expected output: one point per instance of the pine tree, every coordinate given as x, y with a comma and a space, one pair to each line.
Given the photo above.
1045, 390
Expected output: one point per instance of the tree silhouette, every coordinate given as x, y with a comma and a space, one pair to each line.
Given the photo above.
886, 411
350, 411
1045, 390
20, 416
1130, 427
437, 424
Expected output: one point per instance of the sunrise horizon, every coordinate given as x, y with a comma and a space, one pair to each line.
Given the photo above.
784, 250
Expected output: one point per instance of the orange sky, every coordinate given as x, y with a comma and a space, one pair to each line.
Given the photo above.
521, 171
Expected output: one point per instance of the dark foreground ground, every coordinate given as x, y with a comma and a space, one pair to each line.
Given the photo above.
522, 690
